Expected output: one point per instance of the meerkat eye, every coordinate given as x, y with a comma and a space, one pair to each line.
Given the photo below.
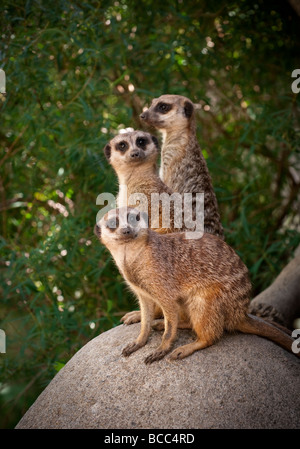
122, 146
112, 223
141, 142
163, 108
132, 218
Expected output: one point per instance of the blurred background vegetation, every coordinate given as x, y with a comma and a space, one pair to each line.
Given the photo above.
76, 73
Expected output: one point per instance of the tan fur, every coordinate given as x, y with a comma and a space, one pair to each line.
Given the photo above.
199, 283
183, 167
139, 174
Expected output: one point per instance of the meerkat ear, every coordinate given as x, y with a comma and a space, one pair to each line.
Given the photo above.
97, 231
155, 141
107, 151
188, 109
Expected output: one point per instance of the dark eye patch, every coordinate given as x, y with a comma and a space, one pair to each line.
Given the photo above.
112, 223
122, 146
141, 142
163, 108
133, 218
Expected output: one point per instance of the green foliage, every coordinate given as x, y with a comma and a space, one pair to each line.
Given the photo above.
76, 73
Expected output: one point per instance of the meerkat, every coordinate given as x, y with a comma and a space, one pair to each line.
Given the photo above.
200, 283
133, 156
183, 167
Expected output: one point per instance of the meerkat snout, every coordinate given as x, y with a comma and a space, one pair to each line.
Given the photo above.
137, 154
143, 115
127, 231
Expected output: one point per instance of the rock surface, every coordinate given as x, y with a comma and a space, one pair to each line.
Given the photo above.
243, 381
280, 301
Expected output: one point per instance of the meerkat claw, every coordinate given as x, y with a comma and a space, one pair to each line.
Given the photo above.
177, 354
131, 317
158, 355
129, 349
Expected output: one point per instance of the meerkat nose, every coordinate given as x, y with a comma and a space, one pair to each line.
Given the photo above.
134, 154
143, 115
126, 231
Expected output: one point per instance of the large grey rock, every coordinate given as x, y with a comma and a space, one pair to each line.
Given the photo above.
281, 300
243, 381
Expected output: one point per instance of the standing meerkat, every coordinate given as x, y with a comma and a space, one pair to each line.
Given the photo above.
199, 283
133, 155
183, 167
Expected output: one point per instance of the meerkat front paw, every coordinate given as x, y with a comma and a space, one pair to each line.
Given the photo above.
132, 347
186, 350
131, 317
157, 355
178, 354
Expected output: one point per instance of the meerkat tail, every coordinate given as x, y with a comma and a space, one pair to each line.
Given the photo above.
279, 326
258, 326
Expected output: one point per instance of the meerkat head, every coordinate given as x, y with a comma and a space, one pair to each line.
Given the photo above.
122, 225
132, 149
169, 112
